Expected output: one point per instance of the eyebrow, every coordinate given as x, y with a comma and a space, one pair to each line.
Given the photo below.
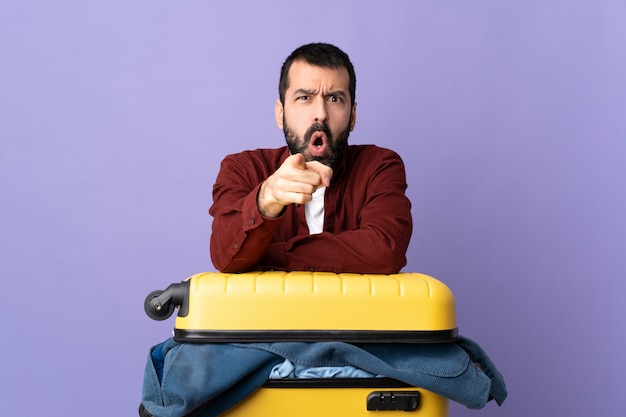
304, 91
338, 93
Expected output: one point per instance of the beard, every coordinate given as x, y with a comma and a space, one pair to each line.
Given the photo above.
335, 146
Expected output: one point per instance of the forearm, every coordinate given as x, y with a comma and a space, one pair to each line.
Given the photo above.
240, 235
366, 250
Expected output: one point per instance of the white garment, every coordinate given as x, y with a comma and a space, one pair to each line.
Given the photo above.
314, 211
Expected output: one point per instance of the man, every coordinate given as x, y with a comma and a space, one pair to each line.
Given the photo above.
316, 204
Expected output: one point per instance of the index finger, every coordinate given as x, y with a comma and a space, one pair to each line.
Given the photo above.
324, 171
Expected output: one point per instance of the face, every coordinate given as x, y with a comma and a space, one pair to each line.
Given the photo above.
317, 116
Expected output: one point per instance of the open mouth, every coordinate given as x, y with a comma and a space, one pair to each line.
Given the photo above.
318, 142
317, 145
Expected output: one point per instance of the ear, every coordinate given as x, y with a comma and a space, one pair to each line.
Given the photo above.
279, 113
353, 117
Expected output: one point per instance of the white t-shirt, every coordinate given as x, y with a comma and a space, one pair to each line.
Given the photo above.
314, 211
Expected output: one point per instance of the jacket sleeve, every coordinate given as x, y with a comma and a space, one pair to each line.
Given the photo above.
379, 239
240, 234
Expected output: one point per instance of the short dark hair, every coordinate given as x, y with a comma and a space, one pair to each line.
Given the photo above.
321, 55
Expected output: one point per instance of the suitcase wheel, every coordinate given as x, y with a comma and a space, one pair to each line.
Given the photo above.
155, 308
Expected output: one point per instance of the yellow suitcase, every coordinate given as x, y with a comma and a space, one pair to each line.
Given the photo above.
304, 306
354, 398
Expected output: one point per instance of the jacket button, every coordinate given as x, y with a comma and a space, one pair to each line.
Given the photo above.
312, 268
251, 220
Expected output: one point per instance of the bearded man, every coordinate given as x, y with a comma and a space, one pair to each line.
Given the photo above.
317, 204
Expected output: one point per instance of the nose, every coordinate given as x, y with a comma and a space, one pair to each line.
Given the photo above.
320, 111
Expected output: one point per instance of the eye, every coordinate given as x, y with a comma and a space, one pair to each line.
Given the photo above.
302, 98
335, 99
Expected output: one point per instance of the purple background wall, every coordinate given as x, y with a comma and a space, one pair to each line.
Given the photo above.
114, 117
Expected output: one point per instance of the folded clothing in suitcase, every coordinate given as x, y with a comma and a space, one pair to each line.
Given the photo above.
312, 307
304, 306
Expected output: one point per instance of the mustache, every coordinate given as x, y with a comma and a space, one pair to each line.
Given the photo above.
318, 127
